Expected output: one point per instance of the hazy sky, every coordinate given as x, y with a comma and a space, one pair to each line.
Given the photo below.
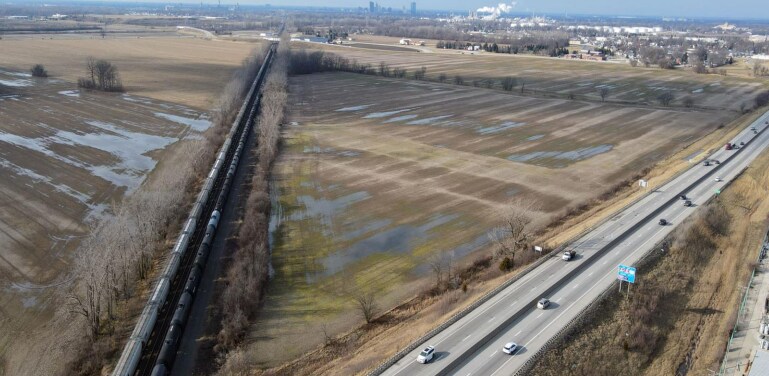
680, 8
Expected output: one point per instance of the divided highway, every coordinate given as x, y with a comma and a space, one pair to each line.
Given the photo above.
473, 344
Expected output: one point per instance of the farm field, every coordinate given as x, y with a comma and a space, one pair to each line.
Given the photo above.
180, 69
559, 78
380, 176
66, 157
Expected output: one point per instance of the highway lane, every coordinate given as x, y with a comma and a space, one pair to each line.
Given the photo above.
538, 326
459, 342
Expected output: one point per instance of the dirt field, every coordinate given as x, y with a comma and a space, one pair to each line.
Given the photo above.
184, 70
66, 156
559, 77
380, 175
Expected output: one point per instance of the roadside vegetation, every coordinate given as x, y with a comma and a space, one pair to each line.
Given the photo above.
122, 253
248, 269
678, 316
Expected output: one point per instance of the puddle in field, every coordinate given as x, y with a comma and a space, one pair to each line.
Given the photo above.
13, 97
697, 91
324, 210
130, 148
535, 137
200, 124
399, 239
134, 99
428, 121
71, 93
16, 83
401, 118
354, 108
377, 115
574, 155
499, 128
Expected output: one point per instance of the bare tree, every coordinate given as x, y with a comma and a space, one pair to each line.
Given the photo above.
509, 83
420, 73
442, 77
688, 102
516, 230
666, 98
366, 302
458, 80
101, 75
603, 92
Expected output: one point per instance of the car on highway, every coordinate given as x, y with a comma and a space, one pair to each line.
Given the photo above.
663, 221
706, 163
509, 348
683, 197
716, 161
568, 255
426, 355
718, 179
543, 303
742, 143
688, 203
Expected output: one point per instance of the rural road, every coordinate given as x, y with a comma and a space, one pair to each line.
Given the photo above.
473, 344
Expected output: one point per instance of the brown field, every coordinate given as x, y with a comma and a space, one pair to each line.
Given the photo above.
553, 77
67, 156
379, 175
183, 70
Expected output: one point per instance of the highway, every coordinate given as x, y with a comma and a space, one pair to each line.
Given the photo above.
473, 344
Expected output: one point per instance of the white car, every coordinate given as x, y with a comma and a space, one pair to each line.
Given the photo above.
719, 179
543, 303
509, 348
426, 355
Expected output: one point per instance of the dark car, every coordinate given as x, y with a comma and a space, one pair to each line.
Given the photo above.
687, 203
683, 197
663, 222
742, 143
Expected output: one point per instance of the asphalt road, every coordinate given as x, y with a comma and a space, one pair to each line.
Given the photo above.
473, 345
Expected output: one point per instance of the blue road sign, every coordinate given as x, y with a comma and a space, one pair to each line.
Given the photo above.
626, 273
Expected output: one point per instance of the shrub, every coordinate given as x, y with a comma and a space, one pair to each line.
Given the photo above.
39, 71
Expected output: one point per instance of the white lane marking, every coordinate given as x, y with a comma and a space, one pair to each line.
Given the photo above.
591, 273
558, 300
494, 353
468, 336
575, 286
513, 303
492, 318
519, 332
540, 315
606, 262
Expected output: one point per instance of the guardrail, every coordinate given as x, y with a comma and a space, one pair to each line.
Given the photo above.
459, 315
190, 234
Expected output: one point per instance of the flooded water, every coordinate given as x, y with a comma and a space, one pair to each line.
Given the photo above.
573, 155
377, 115
399, 239
354, 108
401, 118
197, 124
429, 121
499, 128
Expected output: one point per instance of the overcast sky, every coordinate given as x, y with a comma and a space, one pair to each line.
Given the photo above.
681, 8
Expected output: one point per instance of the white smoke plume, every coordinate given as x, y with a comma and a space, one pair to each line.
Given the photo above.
499, 9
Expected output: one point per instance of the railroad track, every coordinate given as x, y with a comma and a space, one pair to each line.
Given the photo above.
152, 347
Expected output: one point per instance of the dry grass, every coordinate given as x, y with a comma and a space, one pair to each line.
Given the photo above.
182, 70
